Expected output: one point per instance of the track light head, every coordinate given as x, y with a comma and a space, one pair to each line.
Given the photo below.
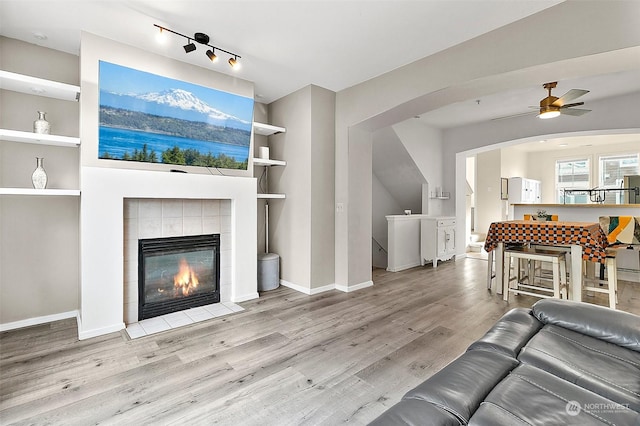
189, 47
161, 36
211, 55
233, 62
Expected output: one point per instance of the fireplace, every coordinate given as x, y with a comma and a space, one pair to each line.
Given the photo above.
177, 273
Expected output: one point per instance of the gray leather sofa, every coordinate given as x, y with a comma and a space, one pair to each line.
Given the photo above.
558, 363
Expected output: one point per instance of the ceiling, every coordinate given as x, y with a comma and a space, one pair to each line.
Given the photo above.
284, 45
505, 104
287, 45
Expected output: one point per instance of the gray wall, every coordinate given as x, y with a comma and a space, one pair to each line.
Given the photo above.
322, 166
302, 225
39, 236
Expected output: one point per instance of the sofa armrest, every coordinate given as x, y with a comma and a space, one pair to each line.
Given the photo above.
460, 387
510, 333
413, 412
617, 327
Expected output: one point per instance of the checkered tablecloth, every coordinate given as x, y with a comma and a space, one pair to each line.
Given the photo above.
589, 235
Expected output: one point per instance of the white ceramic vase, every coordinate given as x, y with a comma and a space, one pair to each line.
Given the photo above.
39, 176
41, 125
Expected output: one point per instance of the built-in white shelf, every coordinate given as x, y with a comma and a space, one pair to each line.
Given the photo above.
38, 138
38, 86
47, 192
268, 162
441, 196
270, 196
267, 129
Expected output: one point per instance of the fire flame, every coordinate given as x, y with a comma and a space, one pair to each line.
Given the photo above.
186, 280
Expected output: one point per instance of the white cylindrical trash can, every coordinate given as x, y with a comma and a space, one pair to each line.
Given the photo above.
268, 271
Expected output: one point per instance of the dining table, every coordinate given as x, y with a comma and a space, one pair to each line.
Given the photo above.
586, 241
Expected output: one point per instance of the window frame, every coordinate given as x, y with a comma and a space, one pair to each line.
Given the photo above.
560, 188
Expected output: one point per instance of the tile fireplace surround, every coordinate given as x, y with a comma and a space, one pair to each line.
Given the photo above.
154, 218
109, 195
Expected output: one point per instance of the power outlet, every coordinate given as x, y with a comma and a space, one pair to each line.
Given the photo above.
339, 207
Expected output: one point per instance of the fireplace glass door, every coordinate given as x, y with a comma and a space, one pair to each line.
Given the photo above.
177, 273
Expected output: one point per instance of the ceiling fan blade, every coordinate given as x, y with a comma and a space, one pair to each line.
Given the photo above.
574, 111
569, 96
516, 115
572, 105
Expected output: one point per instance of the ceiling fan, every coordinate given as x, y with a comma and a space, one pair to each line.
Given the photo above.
551, 106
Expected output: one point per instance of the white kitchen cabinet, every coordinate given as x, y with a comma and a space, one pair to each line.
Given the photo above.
524, 191
438, 239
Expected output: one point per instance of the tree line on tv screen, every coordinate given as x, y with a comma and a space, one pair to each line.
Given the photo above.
185, 157
133, 120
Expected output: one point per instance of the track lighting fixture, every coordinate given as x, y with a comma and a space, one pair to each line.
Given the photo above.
189, 47
211, 55
233, 62
201, 38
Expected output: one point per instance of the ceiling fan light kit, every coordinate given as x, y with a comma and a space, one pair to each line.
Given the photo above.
203, 39
551, 106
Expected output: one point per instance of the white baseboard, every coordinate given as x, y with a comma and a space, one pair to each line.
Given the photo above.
38, 320
402, 267
87, 334
306, 290
245, 297
350, 288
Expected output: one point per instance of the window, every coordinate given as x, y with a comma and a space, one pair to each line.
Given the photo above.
612, 171
572, 174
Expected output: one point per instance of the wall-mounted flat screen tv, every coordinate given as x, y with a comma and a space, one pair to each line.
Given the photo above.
149, 118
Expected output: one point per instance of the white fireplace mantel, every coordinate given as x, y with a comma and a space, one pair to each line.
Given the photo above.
101, 234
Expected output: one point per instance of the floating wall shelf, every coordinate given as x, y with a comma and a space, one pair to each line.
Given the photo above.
37, 138
38, 86
271, 196
46, 192
268, 162
267, 129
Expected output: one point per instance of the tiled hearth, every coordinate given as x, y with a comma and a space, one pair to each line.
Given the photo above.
153, 218
179, 319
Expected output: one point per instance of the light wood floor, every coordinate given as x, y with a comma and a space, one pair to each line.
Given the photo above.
288, 359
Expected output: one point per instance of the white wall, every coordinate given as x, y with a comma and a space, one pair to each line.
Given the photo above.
513, 163
39, 236
488, 203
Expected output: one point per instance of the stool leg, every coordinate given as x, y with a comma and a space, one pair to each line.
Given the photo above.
556, 278
612, 282
490, 270
563, 279
506, 277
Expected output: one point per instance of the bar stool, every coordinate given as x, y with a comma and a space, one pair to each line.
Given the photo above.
558, 266
608, 286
